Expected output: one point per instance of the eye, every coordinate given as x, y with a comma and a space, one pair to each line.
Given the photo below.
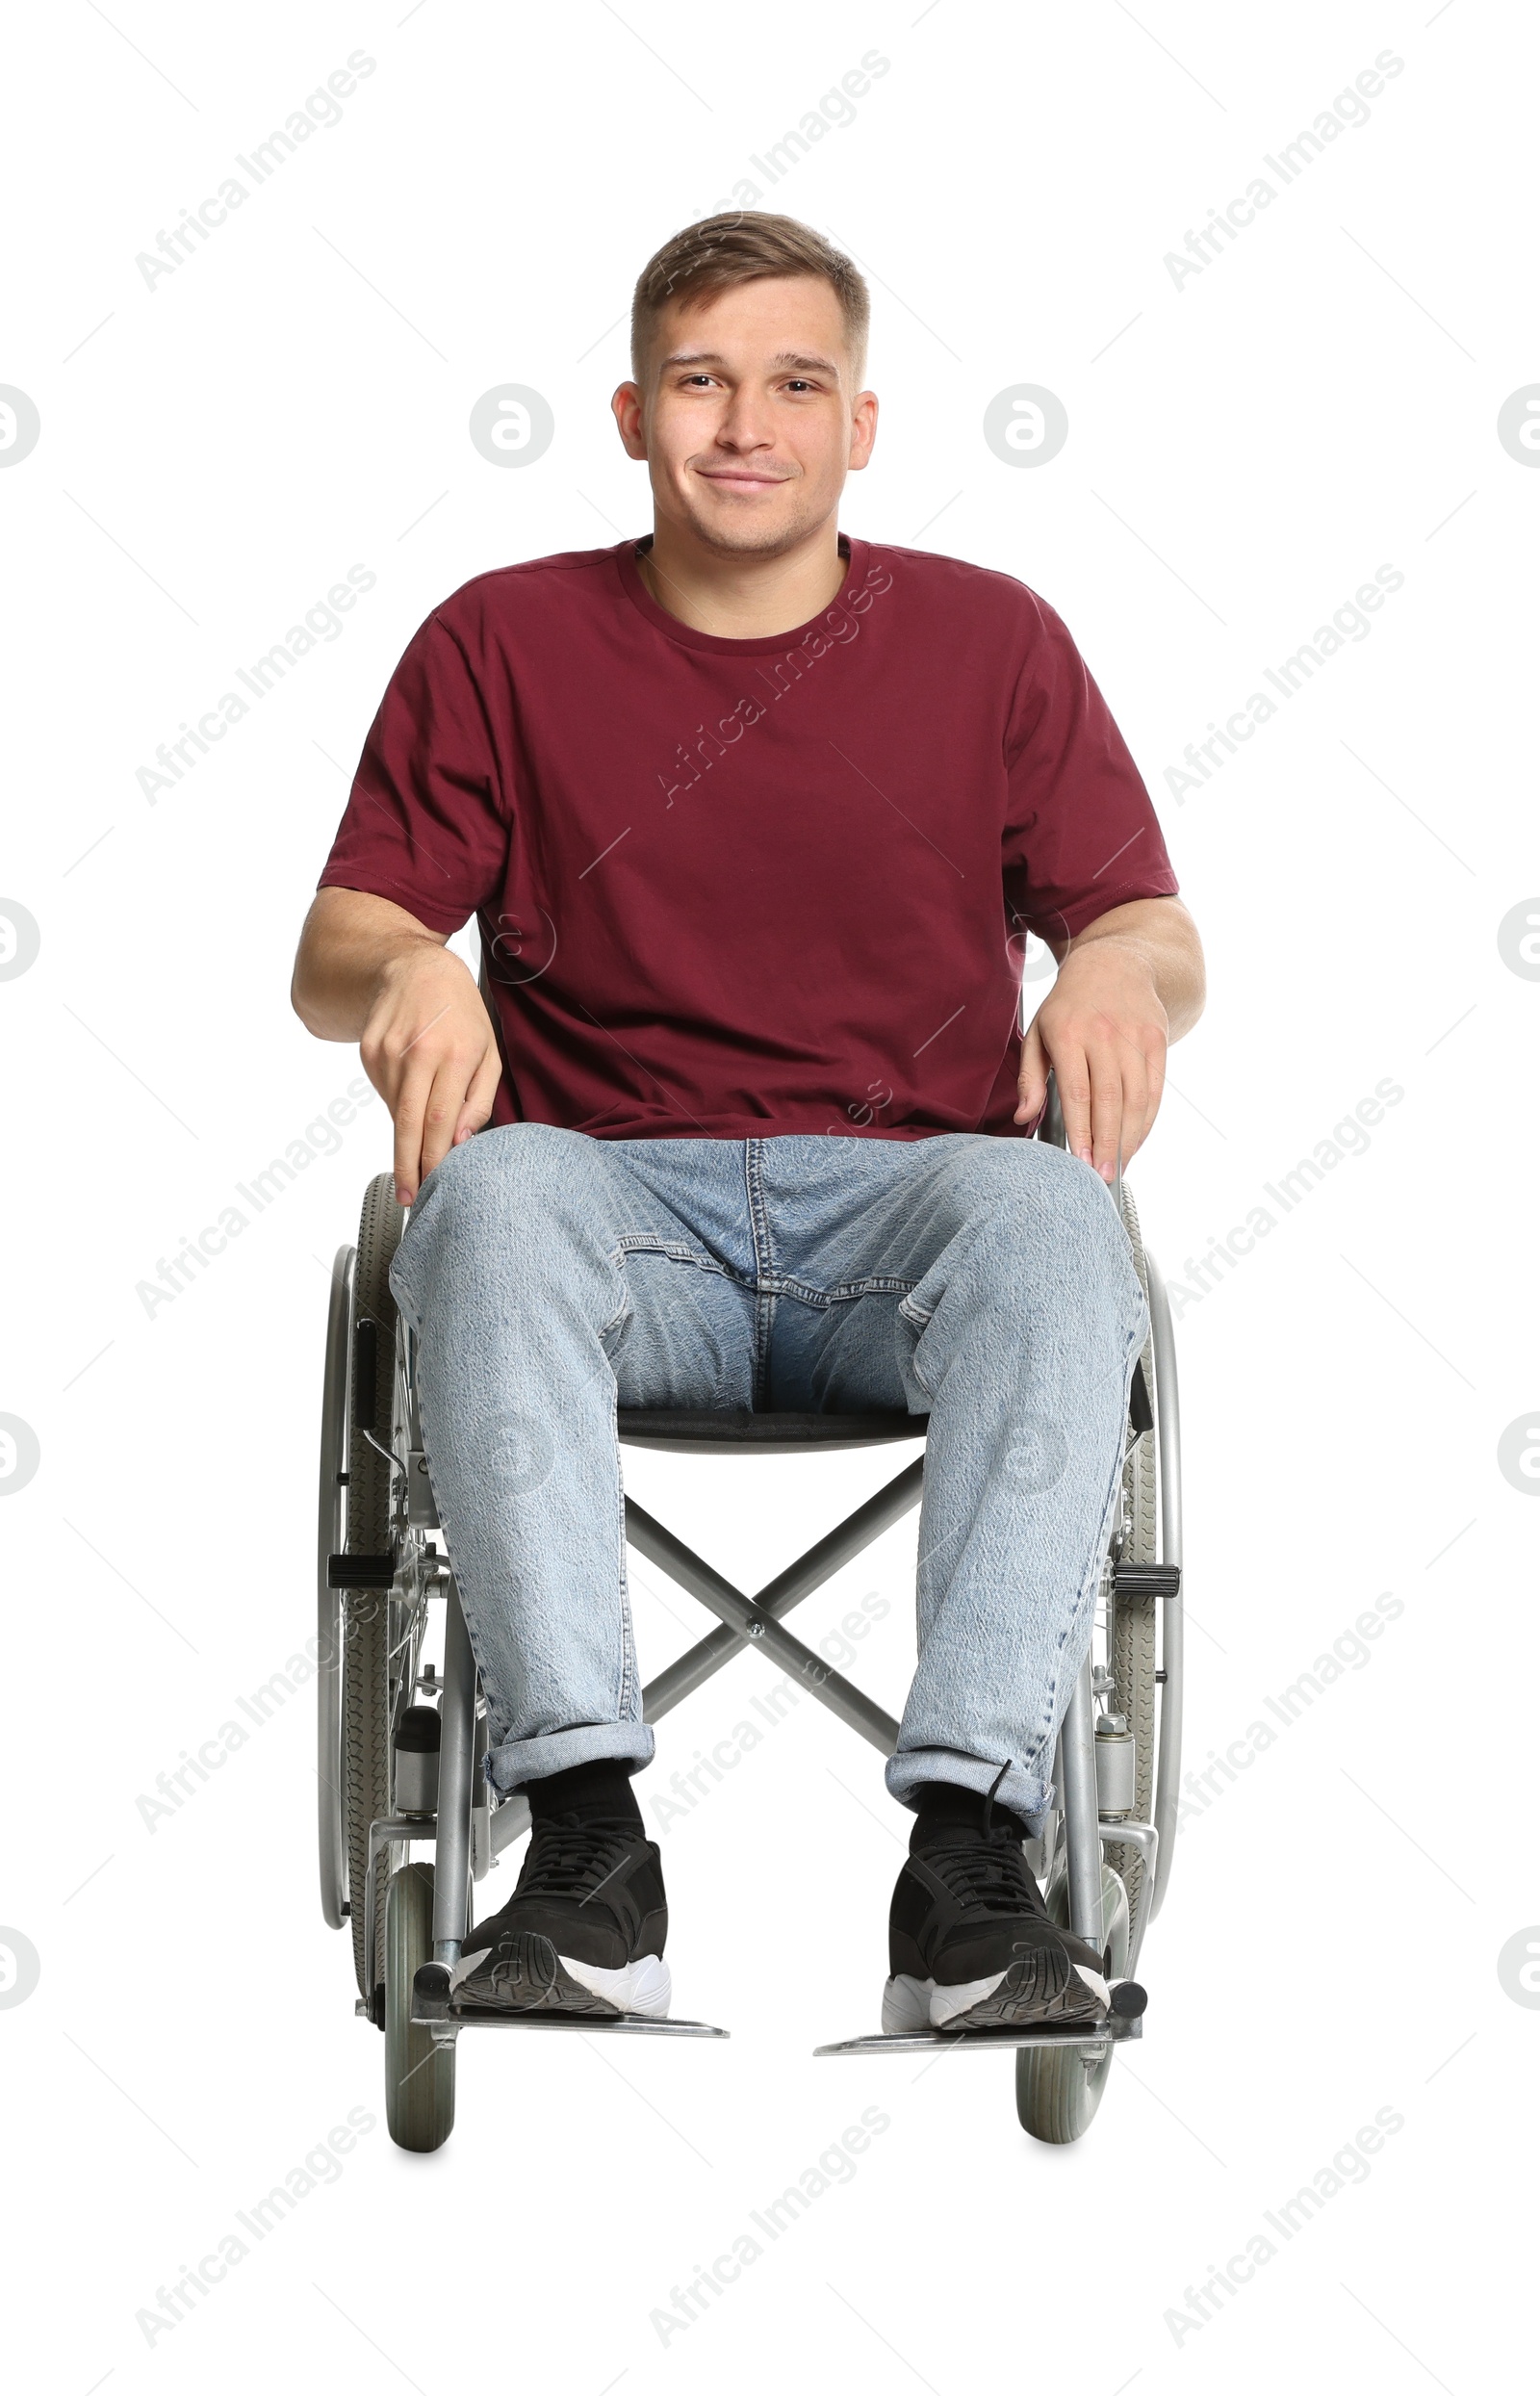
797, 384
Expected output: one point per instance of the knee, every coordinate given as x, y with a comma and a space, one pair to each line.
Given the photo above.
511, 1197
516, 1212
1028, 1180
518, 1171
1035, 1202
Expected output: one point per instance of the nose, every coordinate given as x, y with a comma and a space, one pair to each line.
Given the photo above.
745, 425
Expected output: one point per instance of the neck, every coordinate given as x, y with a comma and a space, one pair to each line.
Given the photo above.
739, 598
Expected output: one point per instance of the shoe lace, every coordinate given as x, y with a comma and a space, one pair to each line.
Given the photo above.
576, 1855
989, 1872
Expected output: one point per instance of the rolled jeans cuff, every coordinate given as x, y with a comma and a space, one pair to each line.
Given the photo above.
1025, 1794
523, 1759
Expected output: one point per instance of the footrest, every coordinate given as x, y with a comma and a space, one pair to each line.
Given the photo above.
1117, 2026
486, 2017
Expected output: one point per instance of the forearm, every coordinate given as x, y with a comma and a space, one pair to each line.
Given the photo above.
350, 942
1156, 936
1128, 984
369, 972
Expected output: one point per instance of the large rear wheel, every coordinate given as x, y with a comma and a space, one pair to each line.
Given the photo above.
1131, 1648
330, 1539
366, 1616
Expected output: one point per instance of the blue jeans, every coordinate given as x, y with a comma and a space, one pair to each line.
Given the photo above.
985, 1281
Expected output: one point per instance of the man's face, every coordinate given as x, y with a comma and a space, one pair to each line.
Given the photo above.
746, 416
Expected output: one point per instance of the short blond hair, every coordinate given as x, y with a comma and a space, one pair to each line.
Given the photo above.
749, 246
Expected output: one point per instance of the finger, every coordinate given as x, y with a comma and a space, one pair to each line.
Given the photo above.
1032, 1080
1072, 1072
1106, 1106
411, 1104
1143, 1078
441, 1113
1136, 1100
476, 1111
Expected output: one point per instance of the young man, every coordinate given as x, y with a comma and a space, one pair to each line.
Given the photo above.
755, 817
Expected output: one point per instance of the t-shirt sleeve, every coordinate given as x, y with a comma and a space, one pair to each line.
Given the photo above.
1081, 833
427, 822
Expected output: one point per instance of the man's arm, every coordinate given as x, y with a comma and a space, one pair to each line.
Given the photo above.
369, 972
1128, 984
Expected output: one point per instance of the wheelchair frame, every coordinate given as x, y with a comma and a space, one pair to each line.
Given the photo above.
468, 1825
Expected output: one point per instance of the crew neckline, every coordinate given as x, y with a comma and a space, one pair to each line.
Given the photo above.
769, 644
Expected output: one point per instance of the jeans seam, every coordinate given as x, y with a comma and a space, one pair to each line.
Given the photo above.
1039, 1759
647, 1244
764, 1302
627, 1657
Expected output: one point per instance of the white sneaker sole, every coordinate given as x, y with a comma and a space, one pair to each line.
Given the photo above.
1016, 1998
644, 1986
530, 1976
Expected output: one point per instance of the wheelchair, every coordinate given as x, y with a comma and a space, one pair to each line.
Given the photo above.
407, 1820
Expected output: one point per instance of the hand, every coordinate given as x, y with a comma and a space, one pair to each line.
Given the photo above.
429, 1049
1104, 1030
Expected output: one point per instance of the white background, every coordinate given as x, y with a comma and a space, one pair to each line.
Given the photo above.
1244, 452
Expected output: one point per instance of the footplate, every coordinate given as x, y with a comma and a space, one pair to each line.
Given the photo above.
486, 2017
1115, 2028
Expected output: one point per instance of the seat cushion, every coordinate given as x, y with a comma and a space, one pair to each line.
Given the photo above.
688, 1431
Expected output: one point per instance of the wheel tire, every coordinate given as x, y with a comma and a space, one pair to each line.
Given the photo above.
419, 2075
366, 1619
1134, 1633
331, 1530
1057, 2092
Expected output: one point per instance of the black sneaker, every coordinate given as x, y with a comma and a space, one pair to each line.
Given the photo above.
582, 1932
970, 1945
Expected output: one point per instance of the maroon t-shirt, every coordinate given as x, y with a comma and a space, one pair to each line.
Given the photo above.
736, 888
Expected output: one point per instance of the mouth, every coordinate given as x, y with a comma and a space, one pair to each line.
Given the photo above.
726, 479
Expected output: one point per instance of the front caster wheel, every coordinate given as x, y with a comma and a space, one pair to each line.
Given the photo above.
1059, 2088
418, 2074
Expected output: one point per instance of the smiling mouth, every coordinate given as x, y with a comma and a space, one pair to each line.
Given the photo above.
747, 481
